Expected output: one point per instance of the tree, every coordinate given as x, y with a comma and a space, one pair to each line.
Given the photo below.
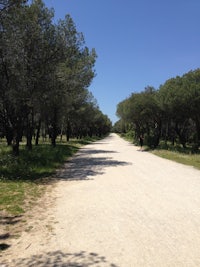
46, 71
191, 86
173, 99
75, 73
141, 110
13, 72
170, 112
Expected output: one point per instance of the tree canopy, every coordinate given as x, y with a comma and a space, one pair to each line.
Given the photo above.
171, 113
46, 70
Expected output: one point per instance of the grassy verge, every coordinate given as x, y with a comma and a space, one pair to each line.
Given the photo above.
184, 158
175, 153
23, 178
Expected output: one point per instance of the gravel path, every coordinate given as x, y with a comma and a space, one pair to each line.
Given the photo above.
115, 206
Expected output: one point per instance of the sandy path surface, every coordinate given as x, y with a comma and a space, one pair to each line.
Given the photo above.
115, 206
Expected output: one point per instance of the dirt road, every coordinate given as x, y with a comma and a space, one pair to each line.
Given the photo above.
116, 206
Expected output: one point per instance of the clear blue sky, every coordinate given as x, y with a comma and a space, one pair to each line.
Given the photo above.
138, 43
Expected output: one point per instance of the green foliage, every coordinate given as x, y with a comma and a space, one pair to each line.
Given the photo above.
23, 178
35, 164
171, 113
46, 70
130, 135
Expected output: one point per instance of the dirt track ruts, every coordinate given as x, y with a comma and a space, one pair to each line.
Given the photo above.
116, 206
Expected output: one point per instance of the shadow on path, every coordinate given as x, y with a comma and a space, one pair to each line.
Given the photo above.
10, 220
95, 151
7, 220
83, 165
4, 246
60, 259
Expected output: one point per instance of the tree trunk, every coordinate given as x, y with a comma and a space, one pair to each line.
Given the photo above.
29, 136
197, 123
54, 127
68, 131
53, 135
17, 136
29, 130
181, 136
53, 141
15, 145
16, 149
158, 133
9, 135
38, 133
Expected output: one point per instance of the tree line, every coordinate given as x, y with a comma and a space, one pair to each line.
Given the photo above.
170, 113
46, 70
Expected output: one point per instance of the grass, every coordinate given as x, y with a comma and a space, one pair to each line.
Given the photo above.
184, 158
176, 153
22, 178
14, 194
35, 164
